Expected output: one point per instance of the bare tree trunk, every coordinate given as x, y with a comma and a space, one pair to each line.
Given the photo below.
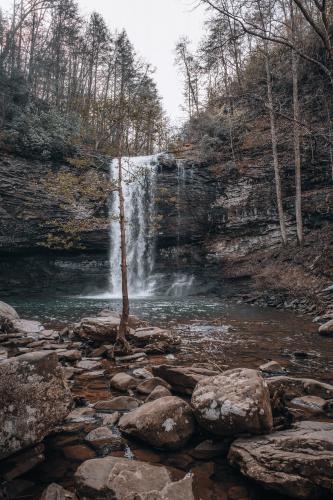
275, 153
297, 148
123, 327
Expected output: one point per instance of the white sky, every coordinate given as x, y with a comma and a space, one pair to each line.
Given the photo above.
153, 26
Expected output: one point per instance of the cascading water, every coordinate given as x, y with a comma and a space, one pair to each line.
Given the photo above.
139, 190
139, 196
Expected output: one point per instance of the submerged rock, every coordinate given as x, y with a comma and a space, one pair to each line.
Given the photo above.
123, 479
164, 423
233, 403
297, 462
34, 399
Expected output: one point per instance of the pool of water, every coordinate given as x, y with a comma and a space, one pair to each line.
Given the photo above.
213, 329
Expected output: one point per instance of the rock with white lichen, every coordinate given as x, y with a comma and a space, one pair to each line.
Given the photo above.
165, 423
34, 399
233, 403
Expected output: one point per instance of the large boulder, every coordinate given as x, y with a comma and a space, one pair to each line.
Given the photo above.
7, 311
99, 329
164, 423
233, 403
297, 462
122, 479
182, 379
34, 399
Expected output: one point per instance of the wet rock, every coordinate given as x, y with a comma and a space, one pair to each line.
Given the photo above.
308, 404
27, 326
100, 351
148, 335
164, 423
142, 373
21, 462
209, 449
272, 368
79, 413
34, 399
49, 335
123, 382
70, 355
233, 403
56, 492
296, 462
287, 388
326, 329
7, 311
104, 438
112, 419
117, 478
132, 357
182, 379
68, 372
93, 380
99, 329
148, 386
121, 403
159, 392
164, 347
89, 364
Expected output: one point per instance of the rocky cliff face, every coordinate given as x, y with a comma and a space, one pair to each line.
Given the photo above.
27, 209
207, 213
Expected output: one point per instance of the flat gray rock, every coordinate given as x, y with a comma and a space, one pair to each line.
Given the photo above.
297, 462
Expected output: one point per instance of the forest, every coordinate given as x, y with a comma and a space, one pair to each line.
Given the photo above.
263, 60
67, 81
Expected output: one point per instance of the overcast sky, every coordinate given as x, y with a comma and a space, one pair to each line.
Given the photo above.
154, 26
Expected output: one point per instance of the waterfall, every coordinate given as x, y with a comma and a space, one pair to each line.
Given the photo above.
139, 189
139, 178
